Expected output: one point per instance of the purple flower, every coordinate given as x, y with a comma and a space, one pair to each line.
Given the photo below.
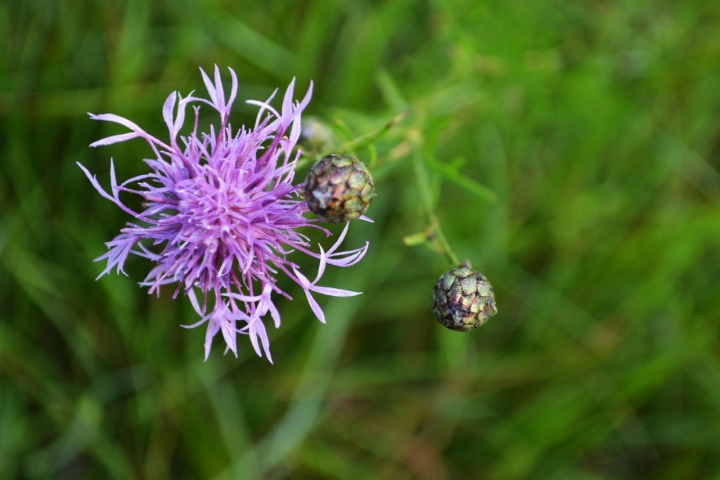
221, 214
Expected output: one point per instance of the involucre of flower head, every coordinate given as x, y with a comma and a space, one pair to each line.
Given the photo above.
339, 188
221, 214
463, 299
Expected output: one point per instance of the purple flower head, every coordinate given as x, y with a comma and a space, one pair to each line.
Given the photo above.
221, 214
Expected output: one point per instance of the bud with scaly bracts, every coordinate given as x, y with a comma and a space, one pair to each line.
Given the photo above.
463, 299
339, 188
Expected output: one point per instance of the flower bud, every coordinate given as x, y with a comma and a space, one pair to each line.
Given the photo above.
315, 135
463, 299
339, 188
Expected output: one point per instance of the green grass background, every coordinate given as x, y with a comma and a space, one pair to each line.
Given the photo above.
596, 124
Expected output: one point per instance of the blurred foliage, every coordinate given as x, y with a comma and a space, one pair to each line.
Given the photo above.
595, 123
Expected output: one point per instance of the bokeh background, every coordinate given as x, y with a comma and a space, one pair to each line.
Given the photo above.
596, 125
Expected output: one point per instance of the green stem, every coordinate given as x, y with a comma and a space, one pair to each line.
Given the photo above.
446, 248
424, 185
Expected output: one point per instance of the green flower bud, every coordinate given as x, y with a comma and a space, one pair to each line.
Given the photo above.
463, 299
339, 188
315, 135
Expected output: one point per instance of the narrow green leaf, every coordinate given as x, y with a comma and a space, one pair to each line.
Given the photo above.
415, 239
451, 174
391, 91
364, 140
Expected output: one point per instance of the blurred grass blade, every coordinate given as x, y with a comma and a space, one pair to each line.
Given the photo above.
254, 47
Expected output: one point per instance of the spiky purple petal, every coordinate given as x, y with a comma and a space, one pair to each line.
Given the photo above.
221, 213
